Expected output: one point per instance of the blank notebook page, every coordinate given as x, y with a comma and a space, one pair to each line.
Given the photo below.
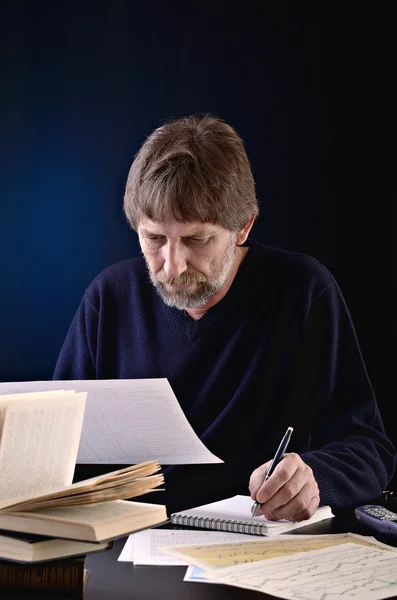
238, 510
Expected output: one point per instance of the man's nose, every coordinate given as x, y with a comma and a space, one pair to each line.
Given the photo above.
174, 261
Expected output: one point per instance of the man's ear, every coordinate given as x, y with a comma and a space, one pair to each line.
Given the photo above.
243, 234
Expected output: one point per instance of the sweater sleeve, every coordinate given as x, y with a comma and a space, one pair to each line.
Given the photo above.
350, 455
77, 358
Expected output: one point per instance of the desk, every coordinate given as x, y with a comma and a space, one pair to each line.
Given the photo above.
112, 580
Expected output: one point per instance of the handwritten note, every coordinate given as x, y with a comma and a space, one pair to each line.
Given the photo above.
347, 571
217, 555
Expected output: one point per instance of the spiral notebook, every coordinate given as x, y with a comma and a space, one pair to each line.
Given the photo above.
234, 514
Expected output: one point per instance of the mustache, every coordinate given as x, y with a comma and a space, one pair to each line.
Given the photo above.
186, 278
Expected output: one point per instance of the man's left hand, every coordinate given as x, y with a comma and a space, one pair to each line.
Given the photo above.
291, 492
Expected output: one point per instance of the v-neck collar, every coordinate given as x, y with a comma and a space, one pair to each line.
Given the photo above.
226, 307
191, 327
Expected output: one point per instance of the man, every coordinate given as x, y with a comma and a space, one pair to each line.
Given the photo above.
252, 339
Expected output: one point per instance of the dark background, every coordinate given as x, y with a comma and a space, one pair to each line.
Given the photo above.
83, 84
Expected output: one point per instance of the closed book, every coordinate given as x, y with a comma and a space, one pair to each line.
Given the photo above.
63, 577
234, 515
24, 548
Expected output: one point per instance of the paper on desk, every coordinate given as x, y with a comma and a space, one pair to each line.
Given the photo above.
348, 571
218, 555
144, 547
129, 421
194, 574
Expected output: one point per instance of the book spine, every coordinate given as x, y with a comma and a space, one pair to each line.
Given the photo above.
64, 577
219, 524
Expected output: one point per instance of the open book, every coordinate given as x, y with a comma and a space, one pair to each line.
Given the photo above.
39, 439
90, 523
234, 514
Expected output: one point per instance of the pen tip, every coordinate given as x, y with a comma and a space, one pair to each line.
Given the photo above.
290, 429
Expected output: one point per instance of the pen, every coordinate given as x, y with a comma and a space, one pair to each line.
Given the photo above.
277, 457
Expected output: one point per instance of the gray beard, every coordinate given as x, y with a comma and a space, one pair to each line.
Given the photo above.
205, 290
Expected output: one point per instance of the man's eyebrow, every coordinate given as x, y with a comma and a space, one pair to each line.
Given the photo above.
148, 232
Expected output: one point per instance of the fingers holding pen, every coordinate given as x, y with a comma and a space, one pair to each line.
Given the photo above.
290, 493
263, 490
257, 478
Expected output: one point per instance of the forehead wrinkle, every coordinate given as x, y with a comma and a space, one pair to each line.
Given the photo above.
148, 232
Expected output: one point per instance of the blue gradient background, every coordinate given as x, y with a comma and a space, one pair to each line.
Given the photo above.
83, 84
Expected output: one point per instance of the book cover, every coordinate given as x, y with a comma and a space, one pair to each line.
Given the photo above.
63, 577
27, 548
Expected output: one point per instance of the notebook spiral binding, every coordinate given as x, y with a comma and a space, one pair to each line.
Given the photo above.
219, 524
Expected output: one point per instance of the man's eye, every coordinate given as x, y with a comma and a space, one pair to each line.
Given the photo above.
154, 238
195, 240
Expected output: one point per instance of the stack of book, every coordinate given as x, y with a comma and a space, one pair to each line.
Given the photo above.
48, 524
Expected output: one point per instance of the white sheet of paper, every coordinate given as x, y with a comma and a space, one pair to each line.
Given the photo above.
348, 571
129, 421
142, 548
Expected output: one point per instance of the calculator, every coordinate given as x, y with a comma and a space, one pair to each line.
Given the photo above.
377, 517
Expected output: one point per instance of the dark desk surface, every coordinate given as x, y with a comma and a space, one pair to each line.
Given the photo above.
112, 580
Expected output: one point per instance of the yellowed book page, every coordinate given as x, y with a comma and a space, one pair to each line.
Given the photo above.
107, 512
39, 444
141, 475
214, 556
130, 490
7, 398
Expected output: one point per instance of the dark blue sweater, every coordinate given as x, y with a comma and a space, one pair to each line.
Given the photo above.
278, 350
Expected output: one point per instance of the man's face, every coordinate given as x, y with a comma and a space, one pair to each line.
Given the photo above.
188, 263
